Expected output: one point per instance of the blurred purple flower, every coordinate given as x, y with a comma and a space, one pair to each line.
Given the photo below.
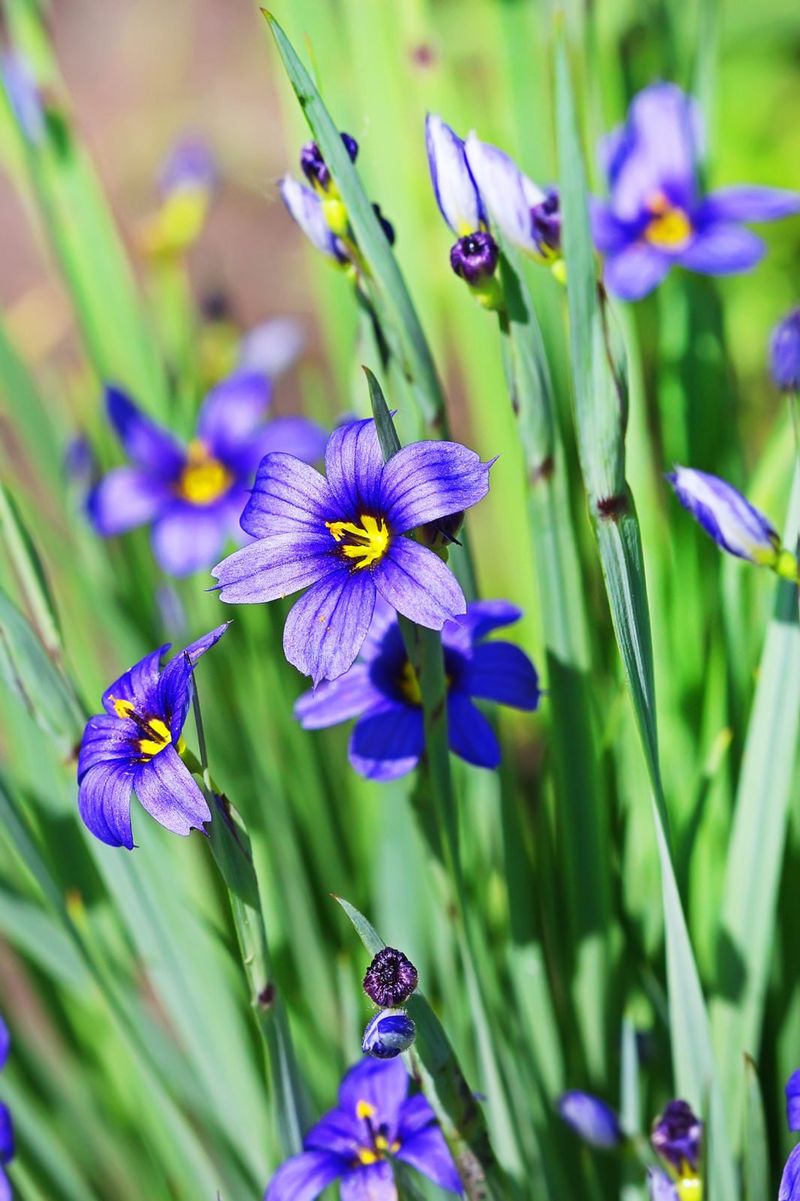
526, 215
306, 207
656, 217
727, 516
190, 164
676, 1136
591, 1118
793, 1100
23, 95
381, 690
271, 347
135, 747
194, 495
375, 1121
344, 536
784, 352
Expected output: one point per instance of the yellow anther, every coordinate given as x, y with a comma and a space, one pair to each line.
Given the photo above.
204, 479
364, 1109
670, 227
161, 737
122, 708
689, 1187
367, 1156
367, 542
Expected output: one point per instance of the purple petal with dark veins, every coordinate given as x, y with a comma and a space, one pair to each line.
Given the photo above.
354, 466
500, 671
275, 566
428, 480
382, 1084
104, 803
169, 793
417, 584
338, 700
327, 625
288, 497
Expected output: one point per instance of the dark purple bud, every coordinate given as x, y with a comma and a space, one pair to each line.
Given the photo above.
676, 1136
390, 979
546, 222
784, 353
313, 165
474, 257
386, 226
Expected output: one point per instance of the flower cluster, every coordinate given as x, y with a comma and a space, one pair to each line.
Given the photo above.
390, 980
193, 495
383, 692
477, 184
374, 1123
656, 215
7, 1140
344, 536
135, 746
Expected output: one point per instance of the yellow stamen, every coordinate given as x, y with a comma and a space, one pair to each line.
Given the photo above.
122, 708
670, 227
365, 1110
161, 737
366, 1156
204, 479
689, 1187
367, 542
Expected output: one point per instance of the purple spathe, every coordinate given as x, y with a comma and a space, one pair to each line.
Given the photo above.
342, 536
594, 1120
193, 495
375, 1121
656, 217
784, 352
133, 747
380, 691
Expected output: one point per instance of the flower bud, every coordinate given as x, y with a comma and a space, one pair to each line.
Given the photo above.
388, 1034
474, 257
676, 1136
314, 167
390, 979
727, 516
591, 1118
784, 353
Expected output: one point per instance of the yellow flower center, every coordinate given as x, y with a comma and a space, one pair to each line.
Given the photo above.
670, 227
409, 684
689, 1187
380, 1144
155, 732
204, 479
366, 543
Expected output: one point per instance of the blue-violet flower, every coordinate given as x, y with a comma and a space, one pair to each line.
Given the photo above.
594, 1120
382, 691
784, 352
135, 747
344, 538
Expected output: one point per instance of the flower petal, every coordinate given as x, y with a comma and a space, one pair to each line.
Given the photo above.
139, 684
125, 498
383, 1084
594, 1120
414, 1116
661, 1188
658, 152
428, 480
271, 347
354, 466
500, 671
484, 616
610, 234
508, 195
749, 202
7, 1140
175, 683
338, 1133
326, 627
453, 183
292, 436
338, 700
722, 250
231, 413
304, 1177
790, 1180
5, 1046
188, 538
635, 271
104, 803
417, 584
5, 1187
145, 443
387, 742
275, 566
725, 514
428, 1152
288, 496
306, 209
793, 1101
373, 1182
470, 734
169, 793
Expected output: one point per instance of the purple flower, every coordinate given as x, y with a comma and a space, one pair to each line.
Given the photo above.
656, 216
793, 1100
135, 746
388, 1034
343, 538
7, 1140
190, 165
194, 495
453, 182
727, 516
790, 1180
527, 216
381, 690
591, 1118
390, 979
375, 1121
676, 1136
784, 352
307, 209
